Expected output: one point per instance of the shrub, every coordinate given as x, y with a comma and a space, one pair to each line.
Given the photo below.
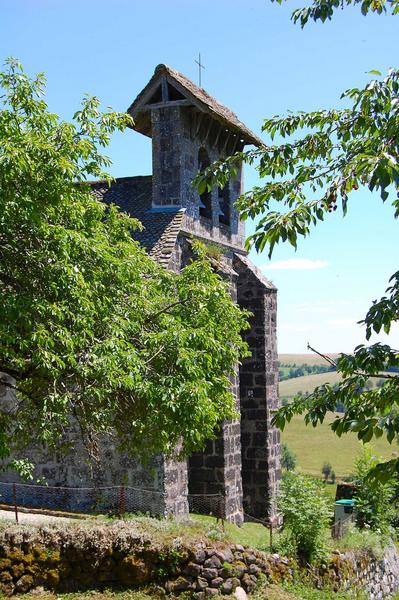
288, 457
306, 513
374, 506
326, 470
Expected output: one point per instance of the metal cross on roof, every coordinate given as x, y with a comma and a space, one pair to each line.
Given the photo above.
200, 66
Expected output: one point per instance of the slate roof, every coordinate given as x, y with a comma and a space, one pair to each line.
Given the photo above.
134, 196
200, 97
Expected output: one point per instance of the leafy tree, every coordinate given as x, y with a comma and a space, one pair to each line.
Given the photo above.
91, 327
288, 457
321, 10
307, 174
374, 501
306, 514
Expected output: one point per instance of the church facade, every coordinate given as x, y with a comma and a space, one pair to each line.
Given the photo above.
189, 130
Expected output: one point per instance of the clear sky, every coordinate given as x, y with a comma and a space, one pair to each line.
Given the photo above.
259, 64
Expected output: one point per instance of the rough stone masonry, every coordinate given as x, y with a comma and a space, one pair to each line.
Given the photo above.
239, 471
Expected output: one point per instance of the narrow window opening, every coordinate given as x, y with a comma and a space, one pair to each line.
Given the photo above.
205, 204
224, 205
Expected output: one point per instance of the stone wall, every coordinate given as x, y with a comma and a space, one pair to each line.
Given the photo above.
175, 148
72, 558
77, 557
376, 576
259, 392
159, 488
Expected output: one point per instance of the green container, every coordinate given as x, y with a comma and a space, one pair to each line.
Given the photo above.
346, 502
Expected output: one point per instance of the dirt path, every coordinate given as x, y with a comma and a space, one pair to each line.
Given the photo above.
6, 515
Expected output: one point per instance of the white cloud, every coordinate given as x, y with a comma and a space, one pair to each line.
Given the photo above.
297, 264
345, 322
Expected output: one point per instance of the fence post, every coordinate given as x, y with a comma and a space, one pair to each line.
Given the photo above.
122, 501
271, 535
14, 493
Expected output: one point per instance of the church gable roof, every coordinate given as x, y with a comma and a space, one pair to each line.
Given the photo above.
133, 195
185, 90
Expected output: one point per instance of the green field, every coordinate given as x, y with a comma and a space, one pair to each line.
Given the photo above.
306, 383
314, 446
303, 359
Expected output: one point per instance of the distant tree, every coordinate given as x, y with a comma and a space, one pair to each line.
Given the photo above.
288, 458
326, 470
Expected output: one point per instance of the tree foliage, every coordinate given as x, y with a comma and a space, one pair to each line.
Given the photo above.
375, 507
322, 10
91, 327
322, 157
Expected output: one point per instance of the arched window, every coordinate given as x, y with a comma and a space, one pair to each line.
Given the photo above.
224, 205
205, 204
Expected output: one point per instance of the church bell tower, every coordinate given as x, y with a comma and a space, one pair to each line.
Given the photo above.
189, 131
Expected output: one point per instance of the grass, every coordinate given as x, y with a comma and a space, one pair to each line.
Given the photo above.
289, 591
303, 591
306, 383
303, 359
249, 534
90, 595
314, 446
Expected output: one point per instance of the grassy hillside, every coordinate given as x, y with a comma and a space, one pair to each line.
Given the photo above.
314, 446
303, 359
307, 383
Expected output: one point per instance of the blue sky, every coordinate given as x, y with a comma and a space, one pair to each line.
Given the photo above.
259, 64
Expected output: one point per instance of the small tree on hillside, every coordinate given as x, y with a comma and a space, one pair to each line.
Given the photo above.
326, 470
288, 457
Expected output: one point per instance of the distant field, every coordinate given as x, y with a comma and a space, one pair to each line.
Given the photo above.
306, 383
304, 359
314, 446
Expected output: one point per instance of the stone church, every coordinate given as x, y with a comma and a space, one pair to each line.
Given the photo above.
189, 130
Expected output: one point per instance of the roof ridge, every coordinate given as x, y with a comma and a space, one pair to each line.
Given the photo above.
114, 179
198, 96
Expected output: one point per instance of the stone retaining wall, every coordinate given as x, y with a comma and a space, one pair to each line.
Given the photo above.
78, 557
378, 577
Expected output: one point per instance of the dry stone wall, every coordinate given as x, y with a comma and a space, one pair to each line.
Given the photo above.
73, 558
378, 577
77, 558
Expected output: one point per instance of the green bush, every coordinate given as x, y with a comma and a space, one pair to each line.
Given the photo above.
306, 514
374, 499
288, 457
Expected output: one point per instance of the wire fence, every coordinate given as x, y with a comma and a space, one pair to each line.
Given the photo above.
207, 504
114, 500
91, 500
340, 527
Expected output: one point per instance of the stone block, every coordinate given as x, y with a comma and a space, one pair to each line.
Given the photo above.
209, 573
